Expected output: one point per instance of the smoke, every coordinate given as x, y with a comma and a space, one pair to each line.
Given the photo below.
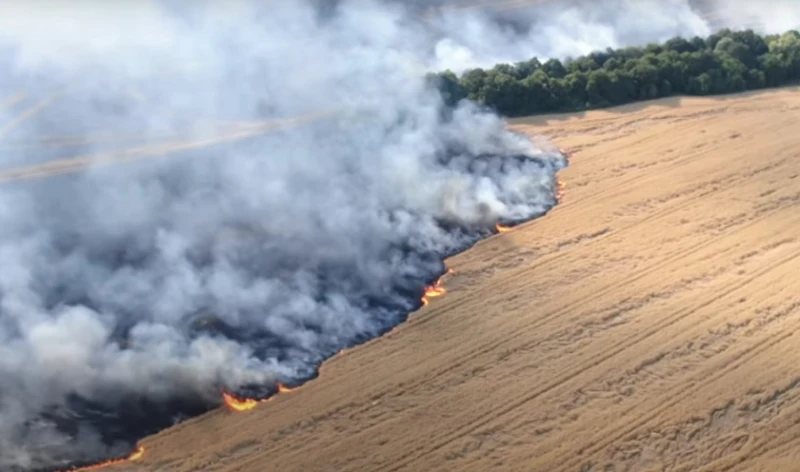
513, 31
471, 34
131, 294
778, 17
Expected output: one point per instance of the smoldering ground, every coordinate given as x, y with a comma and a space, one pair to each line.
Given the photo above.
130, 295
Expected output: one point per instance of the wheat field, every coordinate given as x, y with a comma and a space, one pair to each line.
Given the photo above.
650, 322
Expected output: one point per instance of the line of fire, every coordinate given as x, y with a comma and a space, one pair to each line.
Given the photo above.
238, 403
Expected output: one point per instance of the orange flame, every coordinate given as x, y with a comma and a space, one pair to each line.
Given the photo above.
502, 229
561, 190
235, 403
133, 457
137, 454
435, 290
238, 404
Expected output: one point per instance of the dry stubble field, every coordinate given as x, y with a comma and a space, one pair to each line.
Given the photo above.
650, 322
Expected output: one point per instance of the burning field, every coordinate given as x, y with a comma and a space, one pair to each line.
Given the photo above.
134, 296
199, 218
138, 295
648, 322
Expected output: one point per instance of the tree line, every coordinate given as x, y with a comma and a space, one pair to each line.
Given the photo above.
725, 62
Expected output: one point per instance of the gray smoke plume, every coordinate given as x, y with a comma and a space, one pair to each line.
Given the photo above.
510, 31
132, 291
776, 17
135, 292
474, 33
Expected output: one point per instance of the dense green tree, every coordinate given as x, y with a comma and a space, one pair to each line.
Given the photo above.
582, 64
527, 68
600, 89
673, 70
654, 49
680, 45
732, 48
700, 85
646, 80
507, 69
537, 93
503, 92
727, 61
699, 62
631, 52
698, 43
575, 87
554, 68
665, 88
473, 82
449, 86
600, 57
787, 48
755, 79
774, 68
754, 42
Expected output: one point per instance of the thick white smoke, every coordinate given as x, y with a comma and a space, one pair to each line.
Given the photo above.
775, 17
126, 288
474, 33
236, 265
510, 31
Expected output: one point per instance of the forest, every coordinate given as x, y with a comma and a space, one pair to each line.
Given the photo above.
725, 62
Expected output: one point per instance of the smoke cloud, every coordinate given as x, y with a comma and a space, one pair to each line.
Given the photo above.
779, 17
482, 37
471, 34
131, 294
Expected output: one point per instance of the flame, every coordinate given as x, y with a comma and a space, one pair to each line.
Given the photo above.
502, 229
136, 455
435, 290
561, 190
238, 404
235, 403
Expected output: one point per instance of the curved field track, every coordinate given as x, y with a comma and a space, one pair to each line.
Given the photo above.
650, 322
